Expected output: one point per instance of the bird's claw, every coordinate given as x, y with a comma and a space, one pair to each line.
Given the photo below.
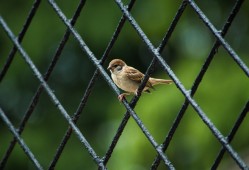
136, 92
121, 97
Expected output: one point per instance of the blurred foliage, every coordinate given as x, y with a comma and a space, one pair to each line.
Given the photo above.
222, 93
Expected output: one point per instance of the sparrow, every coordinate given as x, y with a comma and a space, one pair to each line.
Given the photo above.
128, 78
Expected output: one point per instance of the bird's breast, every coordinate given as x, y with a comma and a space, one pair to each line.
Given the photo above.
124, 83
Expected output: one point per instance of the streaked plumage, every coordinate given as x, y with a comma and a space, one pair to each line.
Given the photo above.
128, 78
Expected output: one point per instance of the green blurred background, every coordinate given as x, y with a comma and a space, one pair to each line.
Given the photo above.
222, 93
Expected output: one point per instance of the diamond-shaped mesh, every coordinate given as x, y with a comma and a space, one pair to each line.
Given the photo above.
48, 87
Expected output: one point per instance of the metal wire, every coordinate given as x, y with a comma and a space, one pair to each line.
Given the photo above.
231, 135
143, 83
20, 37
91, 56
185, 92
39, 91
217, 34
88, 91
5, 69
157, 58
51, 94
19, 139
197, 81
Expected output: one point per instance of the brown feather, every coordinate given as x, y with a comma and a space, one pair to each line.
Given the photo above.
128, 78
155, 81
134, 74
137, 76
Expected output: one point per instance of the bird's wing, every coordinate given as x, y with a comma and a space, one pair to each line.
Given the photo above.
136, 75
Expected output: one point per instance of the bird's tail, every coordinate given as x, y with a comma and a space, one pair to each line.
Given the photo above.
155, 81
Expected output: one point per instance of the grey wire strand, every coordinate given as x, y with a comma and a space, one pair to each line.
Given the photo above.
185, 92
20, 37
87, 94
39, 91
110, 83
129, 106
20, 140
231, 135
197, 81
219, 37
51, 94
143, 83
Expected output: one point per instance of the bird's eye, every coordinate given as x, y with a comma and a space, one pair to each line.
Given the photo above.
119, 68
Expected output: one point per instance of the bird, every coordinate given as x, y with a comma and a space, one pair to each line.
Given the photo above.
128, 78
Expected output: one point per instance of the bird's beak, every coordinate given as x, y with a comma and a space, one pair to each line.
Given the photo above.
109, 67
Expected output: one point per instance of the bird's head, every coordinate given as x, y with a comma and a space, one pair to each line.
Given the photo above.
116, 65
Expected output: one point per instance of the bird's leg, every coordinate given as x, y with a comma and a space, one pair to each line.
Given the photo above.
121, 96
136, 92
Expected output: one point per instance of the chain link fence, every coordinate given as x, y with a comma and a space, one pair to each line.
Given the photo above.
162, 159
